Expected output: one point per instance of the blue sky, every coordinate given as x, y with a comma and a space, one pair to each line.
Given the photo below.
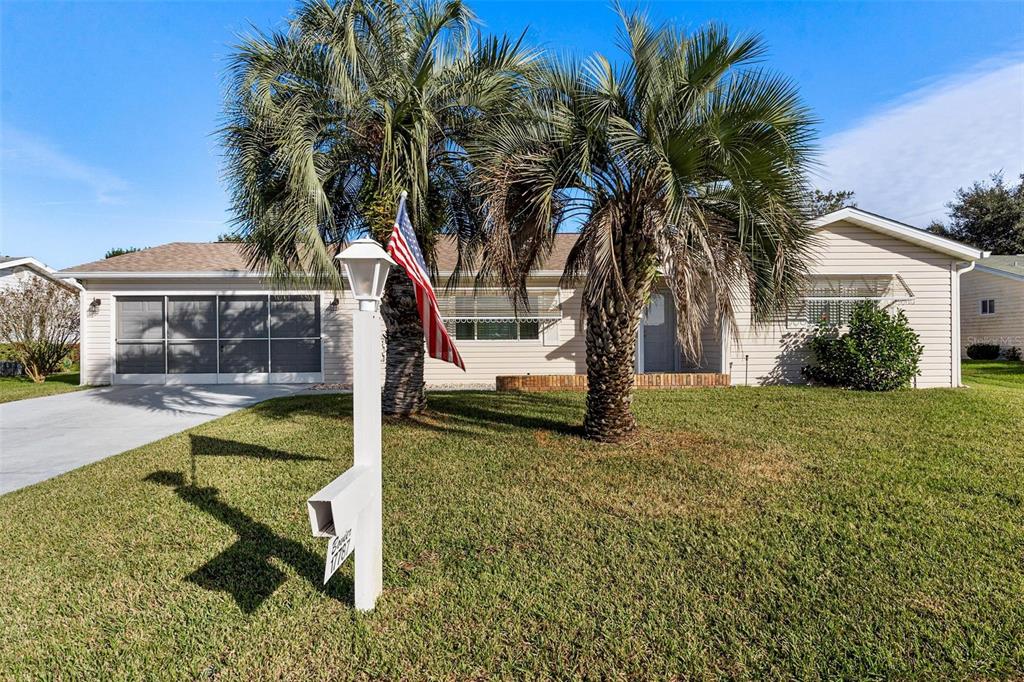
107, 110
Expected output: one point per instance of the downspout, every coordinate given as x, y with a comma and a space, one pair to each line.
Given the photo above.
958, 271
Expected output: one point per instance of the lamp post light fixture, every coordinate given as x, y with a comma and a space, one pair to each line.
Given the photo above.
349, 509
366, 269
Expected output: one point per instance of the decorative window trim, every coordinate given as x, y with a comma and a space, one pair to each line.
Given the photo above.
831, 297
466, 306
453, 326
494, 305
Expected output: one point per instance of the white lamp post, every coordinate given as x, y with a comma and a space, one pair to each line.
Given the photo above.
349, 510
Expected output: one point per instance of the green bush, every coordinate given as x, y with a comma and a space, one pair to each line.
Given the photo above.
7, 352
983, 351
880, 352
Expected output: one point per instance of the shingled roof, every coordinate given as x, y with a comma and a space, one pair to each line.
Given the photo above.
1013, 265
227, 257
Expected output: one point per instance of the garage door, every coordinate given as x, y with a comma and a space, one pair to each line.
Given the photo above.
218, 339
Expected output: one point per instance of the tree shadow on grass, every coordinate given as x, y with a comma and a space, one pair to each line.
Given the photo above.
324, 405
205, 446
509, 411
243, 570
468, 413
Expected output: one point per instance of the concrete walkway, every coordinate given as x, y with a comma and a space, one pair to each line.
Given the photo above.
44, 437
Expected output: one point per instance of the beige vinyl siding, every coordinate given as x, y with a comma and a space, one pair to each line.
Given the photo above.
710, 352
336, 328
775, 354
96, 352
485, 360
1006, 326
98, 341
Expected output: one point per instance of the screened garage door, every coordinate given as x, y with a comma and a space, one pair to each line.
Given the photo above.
218, 339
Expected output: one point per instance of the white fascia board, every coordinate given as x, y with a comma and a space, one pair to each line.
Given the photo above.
900, 231
1000, 273
43, 270
27, 261
224, 274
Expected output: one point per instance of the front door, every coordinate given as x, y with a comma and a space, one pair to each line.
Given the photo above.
659, 335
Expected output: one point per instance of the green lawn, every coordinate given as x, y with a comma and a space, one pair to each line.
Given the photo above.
775, 532
994, 373
19, 388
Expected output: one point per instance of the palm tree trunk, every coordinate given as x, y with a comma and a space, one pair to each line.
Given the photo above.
613, 321
403, 366
611, 354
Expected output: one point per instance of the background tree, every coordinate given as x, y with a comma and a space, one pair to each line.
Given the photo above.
823, 203
230, 237
39, 320
120, 252
329, 122
988, 216
687, 157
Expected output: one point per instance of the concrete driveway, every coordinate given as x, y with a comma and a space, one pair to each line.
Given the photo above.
44, 437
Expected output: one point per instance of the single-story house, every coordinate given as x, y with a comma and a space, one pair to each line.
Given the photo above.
992, 303
17, 269
197, 313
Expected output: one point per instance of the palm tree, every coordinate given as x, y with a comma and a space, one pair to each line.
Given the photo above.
330, 121
686, 159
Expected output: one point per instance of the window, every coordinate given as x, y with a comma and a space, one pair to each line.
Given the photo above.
988, 306
493, 317
495, 330
830, 299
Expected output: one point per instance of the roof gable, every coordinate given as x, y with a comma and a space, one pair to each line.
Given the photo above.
899, 230
40, 269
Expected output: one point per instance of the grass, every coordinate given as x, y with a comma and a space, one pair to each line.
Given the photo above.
20, 388
775, 532
994, 373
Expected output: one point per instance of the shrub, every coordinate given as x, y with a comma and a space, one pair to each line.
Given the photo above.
39, 319
880, 352
983, 351
1013, 353
7, 352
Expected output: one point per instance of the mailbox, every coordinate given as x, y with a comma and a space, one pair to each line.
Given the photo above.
335, 507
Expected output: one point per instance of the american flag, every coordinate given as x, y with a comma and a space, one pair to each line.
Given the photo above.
404, 248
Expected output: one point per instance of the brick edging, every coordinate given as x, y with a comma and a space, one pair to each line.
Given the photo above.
578, 382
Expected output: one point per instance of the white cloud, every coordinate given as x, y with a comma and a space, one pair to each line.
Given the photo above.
908, 160
25, 153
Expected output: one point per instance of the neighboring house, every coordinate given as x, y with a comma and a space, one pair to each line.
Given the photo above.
196, 313
992, 303
15, 270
